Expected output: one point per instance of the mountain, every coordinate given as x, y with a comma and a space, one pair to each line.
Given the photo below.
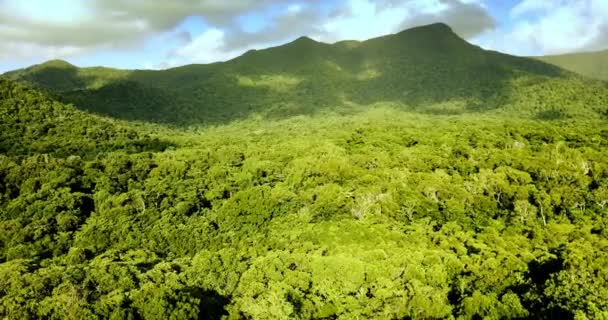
426, 69
590, 64
34, 123
59, 75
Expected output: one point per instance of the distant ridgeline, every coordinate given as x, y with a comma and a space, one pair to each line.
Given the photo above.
425, 69
590, 64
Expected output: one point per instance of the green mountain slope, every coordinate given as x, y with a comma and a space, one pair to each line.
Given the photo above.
59, 75
427, 69
590, 64
33, 123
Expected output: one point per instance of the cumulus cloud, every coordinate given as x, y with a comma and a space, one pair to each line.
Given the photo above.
362, 19
73, 26
207, 48
294, 20
530, 6
553, 27
467, 18
25, 51
83, 23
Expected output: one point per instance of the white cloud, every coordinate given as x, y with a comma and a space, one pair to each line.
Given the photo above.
208, 47
531, 6
205, 48
295, 8
58, 12
552, 27
78, 26
25, 51
362, 19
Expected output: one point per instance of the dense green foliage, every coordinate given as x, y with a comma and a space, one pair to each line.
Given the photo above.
590, 64
427, 69
33, 123
373, 208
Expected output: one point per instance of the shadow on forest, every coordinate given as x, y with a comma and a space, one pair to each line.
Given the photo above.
551, 115
541, 306
536, 302
212, 304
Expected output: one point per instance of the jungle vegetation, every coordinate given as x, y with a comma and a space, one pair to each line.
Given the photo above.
412, 176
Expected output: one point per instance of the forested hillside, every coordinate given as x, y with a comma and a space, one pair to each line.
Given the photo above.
590, 64
412, 176
427, 69
33, 123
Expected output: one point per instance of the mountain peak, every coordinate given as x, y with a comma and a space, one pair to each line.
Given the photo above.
305, 39
435, 28
438, 26
56, 63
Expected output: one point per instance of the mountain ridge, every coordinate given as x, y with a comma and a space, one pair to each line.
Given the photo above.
56, 63
434, 27
417, 69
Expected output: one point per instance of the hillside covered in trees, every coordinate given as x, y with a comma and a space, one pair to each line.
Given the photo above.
412, 176
591, 64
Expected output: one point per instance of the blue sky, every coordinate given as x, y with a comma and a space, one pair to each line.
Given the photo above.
138, 34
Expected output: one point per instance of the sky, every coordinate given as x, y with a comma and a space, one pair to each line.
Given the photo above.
151, 34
